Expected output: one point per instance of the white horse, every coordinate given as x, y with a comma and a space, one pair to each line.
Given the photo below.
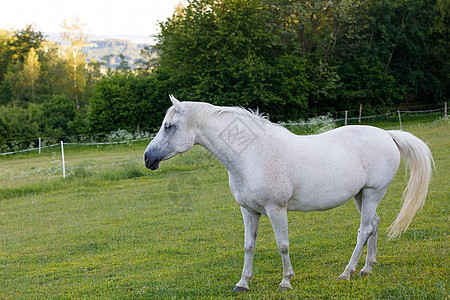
272, 170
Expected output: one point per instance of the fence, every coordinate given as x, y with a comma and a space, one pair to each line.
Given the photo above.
360, 118
346, 119
63, 168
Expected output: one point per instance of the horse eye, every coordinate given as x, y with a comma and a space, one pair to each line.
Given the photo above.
167, 126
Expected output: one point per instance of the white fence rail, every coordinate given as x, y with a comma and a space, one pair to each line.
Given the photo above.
399, 112
79, 144
31, 149
63, 167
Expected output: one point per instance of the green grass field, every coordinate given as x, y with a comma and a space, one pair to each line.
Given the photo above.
121, 231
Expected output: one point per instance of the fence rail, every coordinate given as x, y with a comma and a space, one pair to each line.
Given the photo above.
79, 144
365, 117
31, 149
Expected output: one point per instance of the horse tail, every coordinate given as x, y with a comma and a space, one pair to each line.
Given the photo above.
418, 157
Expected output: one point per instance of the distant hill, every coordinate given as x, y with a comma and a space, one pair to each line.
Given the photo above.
104, 48
109, 50
134, 38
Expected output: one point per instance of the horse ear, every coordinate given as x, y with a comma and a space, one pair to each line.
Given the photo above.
176, 104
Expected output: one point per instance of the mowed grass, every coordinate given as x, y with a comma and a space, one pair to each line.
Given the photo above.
122, 231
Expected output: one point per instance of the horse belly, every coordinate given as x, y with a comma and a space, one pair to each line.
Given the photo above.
321, 187
320, 198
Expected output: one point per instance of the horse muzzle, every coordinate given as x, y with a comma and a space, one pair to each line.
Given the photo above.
151, 161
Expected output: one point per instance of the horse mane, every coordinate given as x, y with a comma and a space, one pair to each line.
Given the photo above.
203, 112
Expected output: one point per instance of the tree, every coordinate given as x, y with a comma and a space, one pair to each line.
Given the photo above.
107, 60
31, 69
54, 79
12, 89
58, 112
440, 48
217, 51
125, 100
366, 83
16, 46
398, 37
74, 41
5, 37
148, 61
123, 65
18, 124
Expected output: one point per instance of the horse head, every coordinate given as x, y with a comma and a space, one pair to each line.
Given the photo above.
173, 137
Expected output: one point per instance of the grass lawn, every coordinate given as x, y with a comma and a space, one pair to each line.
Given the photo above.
122, 231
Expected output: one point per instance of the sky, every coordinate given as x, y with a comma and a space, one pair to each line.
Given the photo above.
101, 17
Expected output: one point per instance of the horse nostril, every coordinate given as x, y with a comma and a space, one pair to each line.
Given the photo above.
145, 157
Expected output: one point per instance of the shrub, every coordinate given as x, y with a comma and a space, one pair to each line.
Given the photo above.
126, 100
367, 84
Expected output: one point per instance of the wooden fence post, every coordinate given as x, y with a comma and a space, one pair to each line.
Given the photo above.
360, 113
445, 112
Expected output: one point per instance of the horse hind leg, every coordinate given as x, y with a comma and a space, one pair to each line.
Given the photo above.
371, 258
366, 201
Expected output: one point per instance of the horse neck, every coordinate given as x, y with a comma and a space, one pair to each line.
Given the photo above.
230, 138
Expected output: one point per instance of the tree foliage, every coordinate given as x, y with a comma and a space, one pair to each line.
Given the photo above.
36, 85
15, 46
291, 58
74, 40
299, 55
30, 72
213, 50
126, 101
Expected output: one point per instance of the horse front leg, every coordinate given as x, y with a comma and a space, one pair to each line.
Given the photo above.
278, 218
251, 223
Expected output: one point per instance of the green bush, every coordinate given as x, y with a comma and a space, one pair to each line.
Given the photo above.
365, 83
57, 113
21, 127
18, 126
126, 101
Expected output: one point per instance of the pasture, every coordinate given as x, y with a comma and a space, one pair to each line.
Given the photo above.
122, 231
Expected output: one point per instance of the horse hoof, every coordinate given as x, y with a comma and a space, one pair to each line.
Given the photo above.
284, 288
240, 289
364, 273
344, 277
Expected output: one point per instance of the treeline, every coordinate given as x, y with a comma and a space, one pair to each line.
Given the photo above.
290, 58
